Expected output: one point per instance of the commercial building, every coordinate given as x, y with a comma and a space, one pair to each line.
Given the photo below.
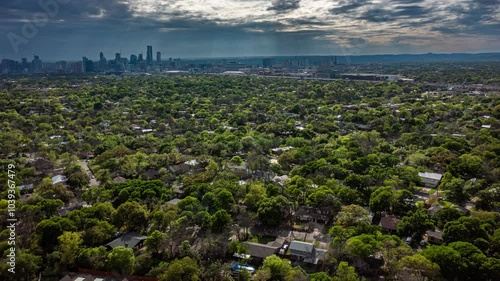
158, 57
149, 55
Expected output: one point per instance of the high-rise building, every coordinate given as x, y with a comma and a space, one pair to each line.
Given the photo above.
158, 57
77, 67
25, 65
37, 65
149, 55
133, 59
87, 65
140, 59
118, 58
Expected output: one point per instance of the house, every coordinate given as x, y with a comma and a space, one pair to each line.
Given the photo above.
430, 179
58, 179
389, 224
462, 209
259, 252
302, 250
28, 188
306, 252
131, 240
434, 236
432, 211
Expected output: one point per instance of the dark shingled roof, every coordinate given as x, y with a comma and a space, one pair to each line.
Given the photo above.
128, 240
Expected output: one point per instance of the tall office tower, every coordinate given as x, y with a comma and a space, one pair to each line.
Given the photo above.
103, 62
37, 65
87, 65
140, 59
158, 57
149, 55
118, 58
133, 59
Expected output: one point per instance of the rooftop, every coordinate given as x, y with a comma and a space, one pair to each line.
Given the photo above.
433, 176
260, 250
301, 247
128, 240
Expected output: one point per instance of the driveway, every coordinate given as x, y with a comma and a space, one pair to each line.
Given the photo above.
93, 181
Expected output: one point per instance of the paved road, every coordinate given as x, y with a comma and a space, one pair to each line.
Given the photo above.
93, 181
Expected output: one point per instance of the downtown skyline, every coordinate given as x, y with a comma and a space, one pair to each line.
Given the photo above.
237, 28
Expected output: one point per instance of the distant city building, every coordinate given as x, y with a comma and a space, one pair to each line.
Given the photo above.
149, 55
87, 65
77, 67
103, 63
61, 66
133, 59
140, 59
25, 65
158, 57
37, 65
269, 62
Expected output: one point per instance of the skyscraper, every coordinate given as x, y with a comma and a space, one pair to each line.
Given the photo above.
149, 55
133, 59
158, 58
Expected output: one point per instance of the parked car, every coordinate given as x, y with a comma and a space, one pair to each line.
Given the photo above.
422, 242
408, 240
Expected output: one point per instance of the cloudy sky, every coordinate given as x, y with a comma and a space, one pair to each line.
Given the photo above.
216, 28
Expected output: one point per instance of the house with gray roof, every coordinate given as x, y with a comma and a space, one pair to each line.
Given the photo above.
131, 240
259, 252
430, 179
306, 252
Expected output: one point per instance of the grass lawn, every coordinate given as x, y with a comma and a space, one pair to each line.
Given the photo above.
266, 239
432, 191
445, 203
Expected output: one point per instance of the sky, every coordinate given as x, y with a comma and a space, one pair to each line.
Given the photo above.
71, 29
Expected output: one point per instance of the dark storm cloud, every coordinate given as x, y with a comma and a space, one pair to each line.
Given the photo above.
284, 6
347, 6
398, 13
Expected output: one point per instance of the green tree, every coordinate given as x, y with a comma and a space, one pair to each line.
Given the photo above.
419, 267
345, 273
380, 200
362, 246
272, 210
155, 241
352, 215
277, 267
220, 221
69, 243
185, 269
447, 258
132, 216
415, 223
121, 260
